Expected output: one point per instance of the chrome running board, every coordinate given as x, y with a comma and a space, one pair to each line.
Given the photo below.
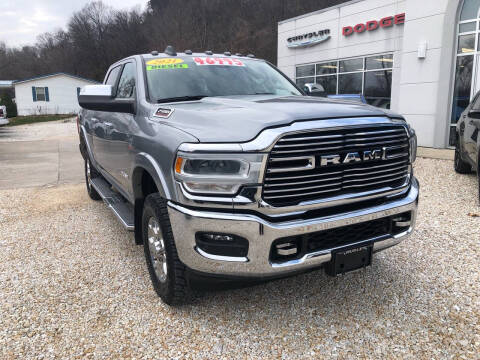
122, 209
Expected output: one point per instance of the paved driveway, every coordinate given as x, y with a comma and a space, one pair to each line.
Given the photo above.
40, 154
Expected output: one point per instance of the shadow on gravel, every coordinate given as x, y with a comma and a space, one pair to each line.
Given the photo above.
355, 291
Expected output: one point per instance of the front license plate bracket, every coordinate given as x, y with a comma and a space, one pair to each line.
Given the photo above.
344, 261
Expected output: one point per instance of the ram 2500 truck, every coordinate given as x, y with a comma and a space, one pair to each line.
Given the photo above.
223, 167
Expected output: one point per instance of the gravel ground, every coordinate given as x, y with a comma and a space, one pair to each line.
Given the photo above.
74, 285
52, 130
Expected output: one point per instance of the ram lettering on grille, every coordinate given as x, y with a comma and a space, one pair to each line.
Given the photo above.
330, 163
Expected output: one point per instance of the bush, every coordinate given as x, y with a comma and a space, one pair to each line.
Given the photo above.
6, 99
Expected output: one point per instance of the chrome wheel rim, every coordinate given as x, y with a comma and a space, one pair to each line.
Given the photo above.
156, 247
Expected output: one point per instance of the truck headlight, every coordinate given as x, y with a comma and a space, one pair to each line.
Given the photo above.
220, 174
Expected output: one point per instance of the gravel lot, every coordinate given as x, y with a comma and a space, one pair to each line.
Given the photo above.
52, 130
74, 285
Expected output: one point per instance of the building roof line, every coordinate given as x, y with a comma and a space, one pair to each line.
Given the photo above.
346, 3
51, 75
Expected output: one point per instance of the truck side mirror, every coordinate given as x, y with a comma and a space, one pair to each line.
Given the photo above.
315, 90
101, 98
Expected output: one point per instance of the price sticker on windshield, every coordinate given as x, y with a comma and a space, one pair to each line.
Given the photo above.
216, 61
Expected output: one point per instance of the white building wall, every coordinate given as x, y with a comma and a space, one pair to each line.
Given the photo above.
421, 88
426, 85
62, 93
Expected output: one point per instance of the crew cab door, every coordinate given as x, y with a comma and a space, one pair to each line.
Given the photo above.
119, 153
100, 125
472, 128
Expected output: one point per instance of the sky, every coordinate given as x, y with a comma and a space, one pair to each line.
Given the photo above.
21, 21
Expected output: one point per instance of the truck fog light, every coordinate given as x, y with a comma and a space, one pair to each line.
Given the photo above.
285, 249
222, 244
401, 222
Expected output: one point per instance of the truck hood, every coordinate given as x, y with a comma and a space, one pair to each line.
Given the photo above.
242, 118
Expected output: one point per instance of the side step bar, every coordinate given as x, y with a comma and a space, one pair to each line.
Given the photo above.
122, 209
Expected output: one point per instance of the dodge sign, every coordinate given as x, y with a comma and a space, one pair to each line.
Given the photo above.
372, 25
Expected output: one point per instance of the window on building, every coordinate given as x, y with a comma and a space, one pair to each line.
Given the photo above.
308, 70
40, 93
301, 82
329, 83
351, 65
466, 44
350, 83
378, 88
370, 76
469, 10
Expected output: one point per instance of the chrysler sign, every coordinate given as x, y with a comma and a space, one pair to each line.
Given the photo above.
309, 39
373, 25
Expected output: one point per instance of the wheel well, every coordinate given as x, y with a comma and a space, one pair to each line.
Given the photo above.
143, 185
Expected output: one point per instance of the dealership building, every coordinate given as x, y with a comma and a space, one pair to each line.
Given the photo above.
418, 58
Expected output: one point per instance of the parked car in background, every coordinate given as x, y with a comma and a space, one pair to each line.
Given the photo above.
224, 168
317, 90
467, 144
3, 115
353, 97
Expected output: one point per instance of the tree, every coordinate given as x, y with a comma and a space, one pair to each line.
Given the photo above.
98, 35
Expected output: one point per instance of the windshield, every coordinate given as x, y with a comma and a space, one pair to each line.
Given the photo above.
197, 77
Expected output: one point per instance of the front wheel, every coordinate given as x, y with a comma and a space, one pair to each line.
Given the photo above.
460, 166
166, 270
91, 173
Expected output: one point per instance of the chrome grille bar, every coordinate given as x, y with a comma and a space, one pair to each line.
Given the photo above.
284, 186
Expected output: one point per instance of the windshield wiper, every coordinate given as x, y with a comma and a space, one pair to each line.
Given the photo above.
181, 98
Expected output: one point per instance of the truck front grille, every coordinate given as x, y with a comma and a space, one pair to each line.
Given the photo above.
331, 163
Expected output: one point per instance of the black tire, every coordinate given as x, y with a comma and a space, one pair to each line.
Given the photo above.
460, 166
91, 173
173, 288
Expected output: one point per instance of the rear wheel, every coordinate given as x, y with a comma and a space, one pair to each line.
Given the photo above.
460, 166
166, 270
90, 174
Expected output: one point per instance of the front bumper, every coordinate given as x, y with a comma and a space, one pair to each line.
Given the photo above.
261, 234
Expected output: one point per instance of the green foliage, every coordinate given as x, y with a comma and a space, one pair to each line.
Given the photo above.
6, 99
23, 120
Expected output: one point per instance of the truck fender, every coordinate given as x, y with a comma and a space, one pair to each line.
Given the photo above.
145, 162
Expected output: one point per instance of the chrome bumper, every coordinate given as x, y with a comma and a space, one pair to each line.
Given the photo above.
261, 234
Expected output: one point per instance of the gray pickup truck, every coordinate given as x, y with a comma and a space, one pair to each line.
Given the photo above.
224, 168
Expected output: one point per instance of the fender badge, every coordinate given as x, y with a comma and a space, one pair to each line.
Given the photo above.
163, 113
